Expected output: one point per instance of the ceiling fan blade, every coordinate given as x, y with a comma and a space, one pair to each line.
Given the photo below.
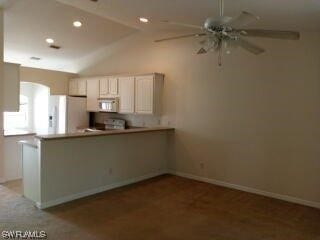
182, 36
253, 48
202, 51
183, 24
290, 35
203, 42
220, 57
230, 45
244, 19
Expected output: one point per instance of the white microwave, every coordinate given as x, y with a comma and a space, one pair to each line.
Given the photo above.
108, 104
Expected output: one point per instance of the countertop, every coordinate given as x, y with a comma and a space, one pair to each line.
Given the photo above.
17, 133
102, 133
31, 143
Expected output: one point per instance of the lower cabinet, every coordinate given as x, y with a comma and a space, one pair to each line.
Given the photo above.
93, 94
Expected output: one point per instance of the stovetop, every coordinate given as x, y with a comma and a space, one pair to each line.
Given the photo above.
115, 124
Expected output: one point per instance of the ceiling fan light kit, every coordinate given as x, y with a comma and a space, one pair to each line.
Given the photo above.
226, 32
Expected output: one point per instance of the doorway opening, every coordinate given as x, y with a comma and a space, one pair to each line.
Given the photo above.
33, 113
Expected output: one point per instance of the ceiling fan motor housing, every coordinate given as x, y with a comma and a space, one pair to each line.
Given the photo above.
210, 24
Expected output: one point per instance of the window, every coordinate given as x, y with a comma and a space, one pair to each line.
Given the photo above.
18, 120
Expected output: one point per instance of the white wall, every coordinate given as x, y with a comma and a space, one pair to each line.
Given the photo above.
58, 82
1, 94
254, 122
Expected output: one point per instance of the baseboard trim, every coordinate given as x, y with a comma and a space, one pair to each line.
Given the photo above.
6, 179
180, 174
72, 197
2, 180
248, 189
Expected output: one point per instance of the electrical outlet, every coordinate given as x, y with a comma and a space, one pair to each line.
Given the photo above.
201, 165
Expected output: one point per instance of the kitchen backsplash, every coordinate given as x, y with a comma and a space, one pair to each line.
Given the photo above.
131, 119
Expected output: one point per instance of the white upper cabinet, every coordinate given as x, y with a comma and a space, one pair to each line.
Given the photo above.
108, 87
126, 94
113, 86
141, 94
11, 86
148, 94
82, 87
93, 94
78, 87
144, 94
104, 87
73, 87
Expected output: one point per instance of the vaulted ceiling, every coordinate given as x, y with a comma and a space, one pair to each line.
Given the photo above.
29, 22
275, 14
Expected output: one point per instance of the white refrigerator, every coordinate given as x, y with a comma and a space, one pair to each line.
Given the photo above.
67, 114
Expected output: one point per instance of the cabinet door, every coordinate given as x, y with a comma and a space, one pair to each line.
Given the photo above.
73, 87
104, 87
144, 87
126, 92
113, 86
93, 95
11, 86
82, 87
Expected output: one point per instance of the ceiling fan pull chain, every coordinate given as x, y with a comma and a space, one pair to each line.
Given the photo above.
221, 4
220, 55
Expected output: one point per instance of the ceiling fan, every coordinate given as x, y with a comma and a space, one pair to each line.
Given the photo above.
227, 32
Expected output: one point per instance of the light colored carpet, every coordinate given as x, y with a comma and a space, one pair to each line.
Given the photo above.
165, 207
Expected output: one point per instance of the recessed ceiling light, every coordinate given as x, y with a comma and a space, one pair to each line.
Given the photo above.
49, 40
77, 24
144, 20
